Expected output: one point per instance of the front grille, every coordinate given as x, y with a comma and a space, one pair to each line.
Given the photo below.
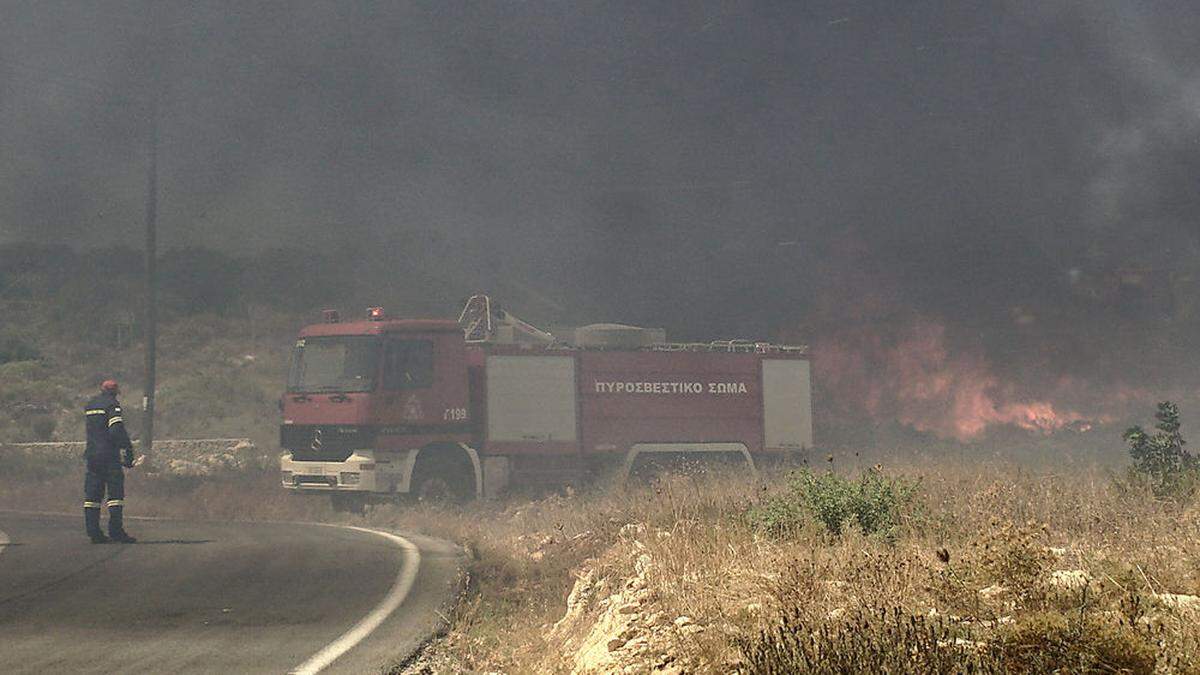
325, 442
331, 481
322, 455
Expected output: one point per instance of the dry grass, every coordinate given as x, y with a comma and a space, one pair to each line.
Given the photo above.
1038, 571
999, 568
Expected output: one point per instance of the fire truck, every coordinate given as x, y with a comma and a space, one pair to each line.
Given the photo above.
464, 409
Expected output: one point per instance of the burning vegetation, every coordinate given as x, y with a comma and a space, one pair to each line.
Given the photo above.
913, 376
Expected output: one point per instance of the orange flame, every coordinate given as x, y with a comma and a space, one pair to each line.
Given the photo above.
914, 378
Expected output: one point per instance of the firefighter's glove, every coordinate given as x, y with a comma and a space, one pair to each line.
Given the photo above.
128, 463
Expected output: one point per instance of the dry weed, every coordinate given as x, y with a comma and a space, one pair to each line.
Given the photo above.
1005, 568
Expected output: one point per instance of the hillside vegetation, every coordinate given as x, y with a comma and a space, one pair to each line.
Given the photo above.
217, 376
71, 318
987, 567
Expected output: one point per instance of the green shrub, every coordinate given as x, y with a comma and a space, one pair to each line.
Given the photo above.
1160, 458
873, 502
42, 427
34, 466
13, 348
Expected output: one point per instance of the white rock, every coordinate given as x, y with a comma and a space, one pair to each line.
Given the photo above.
993, 591
1070, 580
1178, 601
631, 530
963, 642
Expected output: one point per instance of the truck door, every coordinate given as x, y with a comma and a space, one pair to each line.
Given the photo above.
408, 380
424, 385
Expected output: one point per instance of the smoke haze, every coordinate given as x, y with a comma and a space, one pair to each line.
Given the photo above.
997, 200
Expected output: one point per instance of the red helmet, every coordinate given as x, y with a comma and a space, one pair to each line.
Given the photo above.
110, 386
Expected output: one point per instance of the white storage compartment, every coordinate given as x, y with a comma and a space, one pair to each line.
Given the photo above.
787, 404
531, 398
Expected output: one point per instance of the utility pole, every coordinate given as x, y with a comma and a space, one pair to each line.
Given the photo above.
151, 295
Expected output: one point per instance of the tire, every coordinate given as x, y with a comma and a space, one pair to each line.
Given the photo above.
443, 474
437, 489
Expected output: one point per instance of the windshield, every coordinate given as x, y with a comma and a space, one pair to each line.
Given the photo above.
334, 363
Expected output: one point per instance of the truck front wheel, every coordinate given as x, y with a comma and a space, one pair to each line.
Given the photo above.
443, 473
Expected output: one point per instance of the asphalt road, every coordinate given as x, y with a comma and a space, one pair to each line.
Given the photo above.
211, 597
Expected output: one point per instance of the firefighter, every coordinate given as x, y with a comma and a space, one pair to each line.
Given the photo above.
108, 449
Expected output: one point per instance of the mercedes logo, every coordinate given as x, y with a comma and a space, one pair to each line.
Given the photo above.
316, 443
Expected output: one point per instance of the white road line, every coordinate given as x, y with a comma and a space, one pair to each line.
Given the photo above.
404, 583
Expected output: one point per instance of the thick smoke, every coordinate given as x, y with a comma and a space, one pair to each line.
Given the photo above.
1007, 189
1145, 155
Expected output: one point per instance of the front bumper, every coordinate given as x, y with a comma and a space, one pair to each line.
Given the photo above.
347, 476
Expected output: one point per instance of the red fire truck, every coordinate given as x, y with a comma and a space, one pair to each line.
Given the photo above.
463, 409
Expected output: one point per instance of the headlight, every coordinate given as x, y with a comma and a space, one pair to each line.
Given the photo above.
348, 478
366, 466
287, 477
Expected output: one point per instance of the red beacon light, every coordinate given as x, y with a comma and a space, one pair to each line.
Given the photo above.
375, 313
331, 316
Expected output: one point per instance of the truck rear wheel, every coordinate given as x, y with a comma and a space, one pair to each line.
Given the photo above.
437, 489
443, 473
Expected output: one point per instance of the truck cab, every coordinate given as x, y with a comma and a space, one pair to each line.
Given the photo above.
365, 398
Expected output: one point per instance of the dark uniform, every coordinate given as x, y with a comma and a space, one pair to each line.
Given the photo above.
108, 449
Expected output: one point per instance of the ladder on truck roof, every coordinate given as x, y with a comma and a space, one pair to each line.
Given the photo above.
481, 323
476, 319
